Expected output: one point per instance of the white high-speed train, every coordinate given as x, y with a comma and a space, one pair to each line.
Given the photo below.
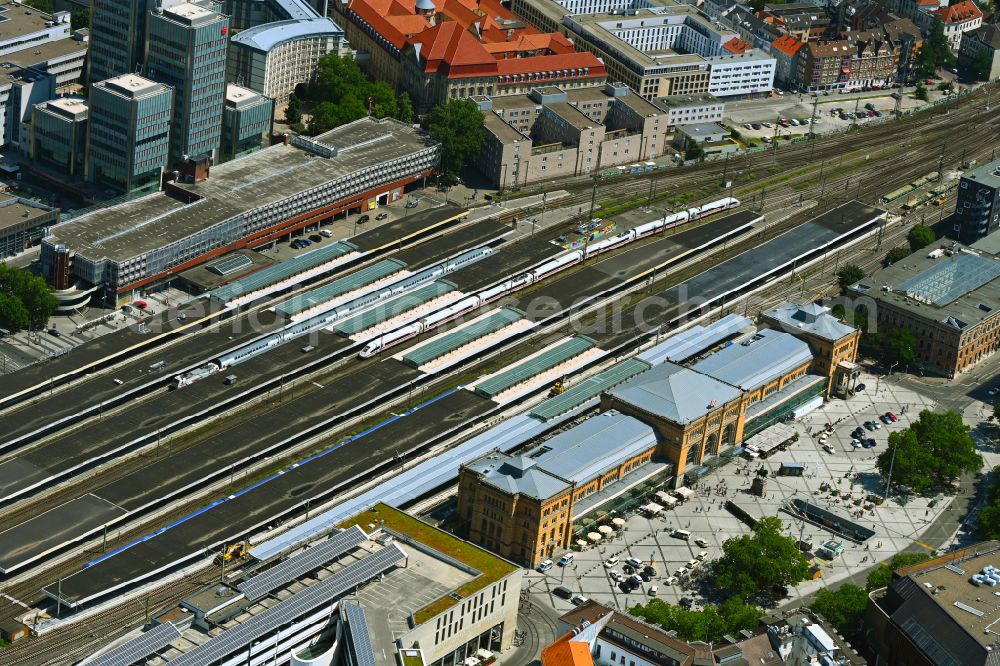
563, 261
343, 311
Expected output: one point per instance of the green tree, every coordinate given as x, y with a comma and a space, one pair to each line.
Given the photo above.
458, 125
920, 92
849, 274
980, 65
896, 254
881, 575
327, 115
934, 53
404, 108
293, 111
79, 19
945, 86
13, 315
989, 515
709, 625
932, 453
44, 6
755, 564
896, 347
844, 608
694, 153
336, 77
30, 291
996, 411
920, 237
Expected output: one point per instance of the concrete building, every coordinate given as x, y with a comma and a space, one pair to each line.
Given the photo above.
713, 138
246, 122
984, 38
687, 109
23, 223
977, 209
382, 589
785, 51
938, 612
451, 50
522, 507
59, 134
146, 241
947, 296
275, 57
130, 155
956, 19
186, 50
744, 75
548, 15
551, 133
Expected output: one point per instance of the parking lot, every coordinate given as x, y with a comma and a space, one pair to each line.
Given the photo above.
846, 472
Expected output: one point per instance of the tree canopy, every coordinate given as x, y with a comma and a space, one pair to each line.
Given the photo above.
79, 19
896, 347
25, 299
293, 110
920, 91
881, 575
341, 93
980, 65
844, 607
920, 237
932, 453
989, 515
753, 565
896, 254
849, 274
935, 52
458, 125
707, 625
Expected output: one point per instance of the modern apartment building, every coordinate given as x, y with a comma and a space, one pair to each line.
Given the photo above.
699, 108
977, 209
246, 122
129, 133
186, 49
59, 134
746, 74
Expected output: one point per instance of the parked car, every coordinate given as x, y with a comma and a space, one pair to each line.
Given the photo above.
871, 443
566, 559
703, 555
326, 233
364, 219
765, 139
892, 417
628, 569
316, 238
653, 591
578, 600
610, 562
411, 204
856, 443
870, 106
859, 388
562, 592
616, 575
701, 543
381, 216
828, 448
686, 603
545, 566
670, 580
993, 391
768, 125
55, 333
634, 561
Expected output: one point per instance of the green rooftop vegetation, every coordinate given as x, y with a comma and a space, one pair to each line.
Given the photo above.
411, 658
492, 567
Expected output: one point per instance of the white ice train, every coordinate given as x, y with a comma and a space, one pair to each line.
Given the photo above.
563, 261
343, 311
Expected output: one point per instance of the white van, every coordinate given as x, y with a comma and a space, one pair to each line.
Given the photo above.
653, 591
682, 534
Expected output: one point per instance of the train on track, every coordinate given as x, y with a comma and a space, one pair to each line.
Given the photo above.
562, 262
342, 311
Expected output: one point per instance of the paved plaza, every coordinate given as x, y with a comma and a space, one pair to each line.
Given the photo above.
898, 524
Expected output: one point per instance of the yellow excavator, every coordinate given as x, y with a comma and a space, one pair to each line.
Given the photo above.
234, 551
557, 388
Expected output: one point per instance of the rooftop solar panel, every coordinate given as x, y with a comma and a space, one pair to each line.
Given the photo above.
239, 636
309, 560
139, 648
230, 264
357, 629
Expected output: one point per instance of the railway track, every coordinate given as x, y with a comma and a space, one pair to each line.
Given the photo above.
781, 197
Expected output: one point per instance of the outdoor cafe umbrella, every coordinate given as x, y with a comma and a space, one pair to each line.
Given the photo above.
593, 536
618, 522
604, 529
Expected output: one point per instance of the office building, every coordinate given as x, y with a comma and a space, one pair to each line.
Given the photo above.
246, 122
23, 223
673, 50
785, 50
382, 588
943, 611
985, 38
552, 133
186, 50
547, 15
117, 44
847, 64
59, 134
450, 50
947, 296
131, 155
686, 109
712, 138
977, 210
294, 184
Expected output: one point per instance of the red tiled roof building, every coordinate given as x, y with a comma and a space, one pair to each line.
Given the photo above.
442, 49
